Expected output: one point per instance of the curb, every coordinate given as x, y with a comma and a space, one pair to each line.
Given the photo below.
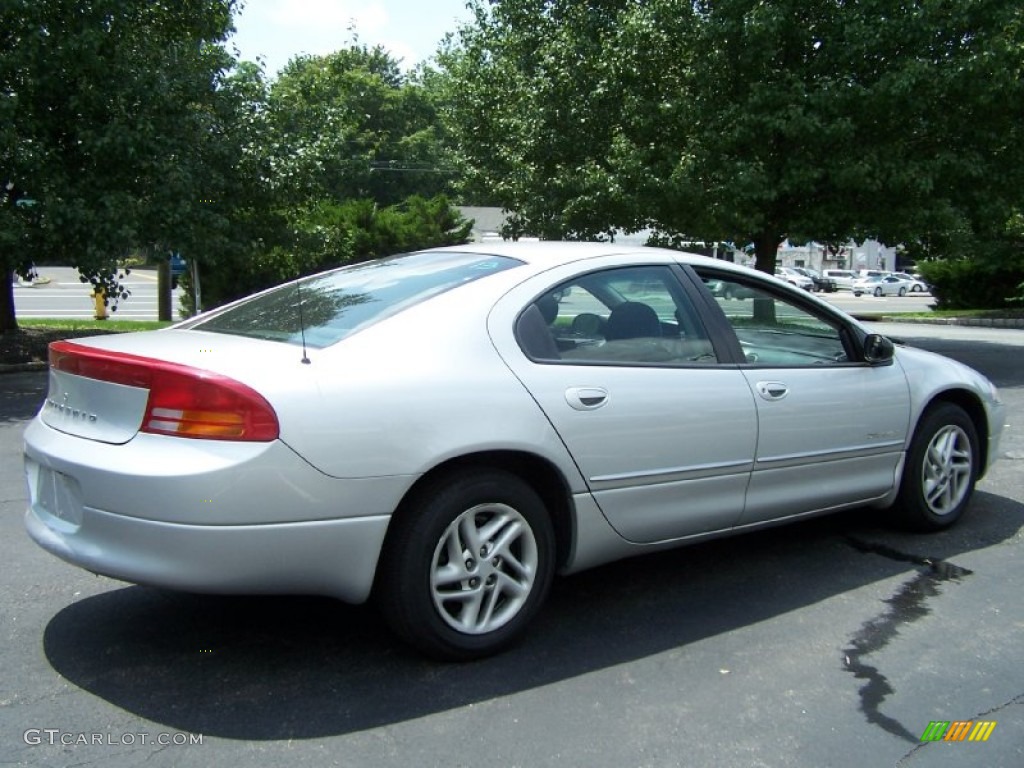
968, 322
35, 365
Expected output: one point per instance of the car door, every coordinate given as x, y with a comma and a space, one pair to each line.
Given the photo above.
621, 364
831, 427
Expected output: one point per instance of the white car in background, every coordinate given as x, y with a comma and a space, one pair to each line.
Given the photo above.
914, 284
880, 285
793, 277
843, 277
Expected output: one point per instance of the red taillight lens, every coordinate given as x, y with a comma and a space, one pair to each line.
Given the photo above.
183, 401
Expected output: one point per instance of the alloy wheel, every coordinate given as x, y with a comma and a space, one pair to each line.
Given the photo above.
484, 568
946, 470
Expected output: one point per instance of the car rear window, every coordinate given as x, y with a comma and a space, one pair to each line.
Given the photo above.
337, 303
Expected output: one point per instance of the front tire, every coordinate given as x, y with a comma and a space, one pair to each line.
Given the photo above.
878, 291
468, 566
942, 467
903, 291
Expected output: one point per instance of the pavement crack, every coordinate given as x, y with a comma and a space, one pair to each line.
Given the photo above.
1019, 699
906, 606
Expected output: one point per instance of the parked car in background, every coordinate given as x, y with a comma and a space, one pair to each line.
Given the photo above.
178, 268
444, 431
822, 284
793, 277
879, 285
914, 284
843, 278
724, 289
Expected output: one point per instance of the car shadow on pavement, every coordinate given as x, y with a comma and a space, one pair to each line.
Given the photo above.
301, 668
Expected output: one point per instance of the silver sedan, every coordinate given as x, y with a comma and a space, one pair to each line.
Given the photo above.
881, 285
444, 431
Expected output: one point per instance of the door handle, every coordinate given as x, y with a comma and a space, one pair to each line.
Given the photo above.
586, 398
772, 390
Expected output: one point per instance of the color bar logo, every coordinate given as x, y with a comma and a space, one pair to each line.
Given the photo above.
958, 730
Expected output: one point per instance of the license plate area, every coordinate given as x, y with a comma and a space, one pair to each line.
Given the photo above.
56, 495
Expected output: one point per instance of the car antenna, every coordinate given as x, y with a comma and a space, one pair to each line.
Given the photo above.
302, 322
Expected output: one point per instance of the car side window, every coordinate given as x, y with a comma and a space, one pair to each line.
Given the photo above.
625, 316
773, 329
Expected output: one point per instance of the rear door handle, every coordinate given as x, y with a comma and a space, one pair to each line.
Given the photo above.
586, 398
772, 390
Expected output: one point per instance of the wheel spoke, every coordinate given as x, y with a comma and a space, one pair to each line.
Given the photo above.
508, 536
469, 616
488, 530
513, 563
447, 575
455, 549
492, 595
470, 534
513, 587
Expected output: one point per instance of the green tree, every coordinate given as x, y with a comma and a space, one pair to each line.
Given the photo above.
742, 120
243, 216
329, 234
829, 120
352, 125
339, 159
107, 108
533, 101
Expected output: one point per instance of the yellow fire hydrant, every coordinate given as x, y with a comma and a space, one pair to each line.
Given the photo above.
99, 296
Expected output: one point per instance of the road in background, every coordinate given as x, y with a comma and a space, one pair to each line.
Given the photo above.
855, 305
63, 295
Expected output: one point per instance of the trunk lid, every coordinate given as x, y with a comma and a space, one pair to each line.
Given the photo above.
100, 387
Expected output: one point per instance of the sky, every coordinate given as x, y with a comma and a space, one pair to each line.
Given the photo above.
280, 29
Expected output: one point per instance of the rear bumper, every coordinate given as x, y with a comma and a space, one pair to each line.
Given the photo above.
206, 516
325, 557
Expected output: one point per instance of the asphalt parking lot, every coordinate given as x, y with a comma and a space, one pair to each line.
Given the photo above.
832, 643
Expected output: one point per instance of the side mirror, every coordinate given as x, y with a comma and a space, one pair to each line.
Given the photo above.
878, 350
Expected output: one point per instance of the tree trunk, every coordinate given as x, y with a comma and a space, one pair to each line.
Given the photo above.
163, 289
8, 321
766, 248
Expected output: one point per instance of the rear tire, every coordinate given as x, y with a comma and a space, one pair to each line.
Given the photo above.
469, 565
941, 469
903, 291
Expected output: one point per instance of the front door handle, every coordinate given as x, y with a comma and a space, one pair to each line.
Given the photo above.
772, 390
586, 398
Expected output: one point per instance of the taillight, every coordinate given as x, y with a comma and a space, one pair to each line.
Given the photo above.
183, 401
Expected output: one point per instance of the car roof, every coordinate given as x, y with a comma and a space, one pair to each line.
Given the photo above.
545, 253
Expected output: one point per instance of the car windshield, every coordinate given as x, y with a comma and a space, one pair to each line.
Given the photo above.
343, 301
